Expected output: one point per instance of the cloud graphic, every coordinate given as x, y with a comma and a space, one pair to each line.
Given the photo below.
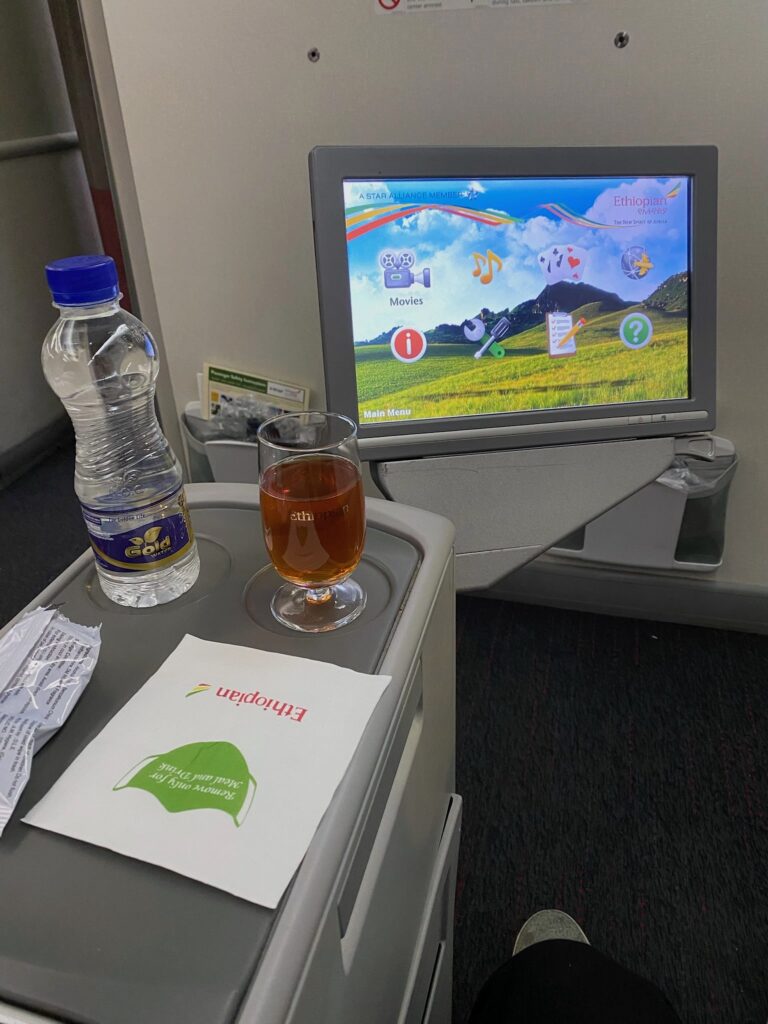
640, 209
446, 243
455, 294
358, 192
434, 223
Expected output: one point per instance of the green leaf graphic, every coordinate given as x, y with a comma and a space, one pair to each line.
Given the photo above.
198, 775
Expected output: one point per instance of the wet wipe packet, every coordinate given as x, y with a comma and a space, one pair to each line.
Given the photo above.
45, 663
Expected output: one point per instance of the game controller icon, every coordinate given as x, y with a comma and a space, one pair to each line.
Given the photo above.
397, 270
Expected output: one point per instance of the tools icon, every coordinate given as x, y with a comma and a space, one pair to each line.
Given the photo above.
397, 269
475, 330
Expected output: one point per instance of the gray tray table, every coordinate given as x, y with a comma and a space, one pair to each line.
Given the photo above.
90, 936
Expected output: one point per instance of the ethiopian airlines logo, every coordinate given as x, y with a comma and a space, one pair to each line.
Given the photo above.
200, 688
255, 699
649, 204
149, 544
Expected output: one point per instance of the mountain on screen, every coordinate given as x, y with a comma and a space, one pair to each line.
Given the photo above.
562, 297
671, 296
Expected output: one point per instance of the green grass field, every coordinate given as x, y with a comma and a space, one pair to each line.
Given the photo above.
449, 381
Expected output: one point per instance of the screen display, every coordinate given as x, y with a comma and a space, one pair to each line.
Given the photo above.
517, 295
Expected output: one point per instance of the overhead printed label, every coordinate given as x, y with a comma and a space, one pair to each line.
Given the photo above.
435, 6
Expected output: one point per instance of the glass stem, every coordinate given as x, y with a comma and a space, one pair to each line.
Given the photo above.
319, 595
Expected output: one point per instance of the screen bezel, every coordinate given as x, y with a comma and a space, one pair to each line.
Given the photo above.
330, 166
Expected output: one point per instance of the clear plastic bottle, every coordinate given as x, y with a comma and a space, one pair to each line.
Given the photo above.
102, 363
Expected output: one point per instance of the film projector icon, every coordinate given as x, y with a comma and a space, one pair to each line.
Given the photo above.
398, 272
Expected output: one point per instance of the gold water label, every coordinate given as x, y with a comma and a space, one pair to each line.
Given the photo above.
150, 543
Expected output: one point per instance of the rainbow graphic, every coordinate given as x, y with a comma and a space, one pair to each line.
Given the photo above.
362, 219
200, 688
571, 217
566, 214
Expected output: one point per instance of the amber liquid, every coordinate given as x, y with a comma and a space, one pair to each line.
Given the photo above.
313, 515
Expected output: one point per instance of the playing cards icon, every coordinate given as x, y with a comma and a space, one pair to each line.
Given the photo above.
563, 263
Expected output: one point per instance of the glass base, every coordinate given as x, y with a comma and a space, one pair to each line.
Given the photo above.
321, 610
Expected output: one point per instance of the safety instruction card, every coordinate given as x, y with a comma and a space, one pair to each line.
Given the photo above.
220, 767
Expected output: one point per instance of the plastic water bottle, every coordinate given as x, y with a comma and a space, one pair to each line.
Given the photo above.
102, 363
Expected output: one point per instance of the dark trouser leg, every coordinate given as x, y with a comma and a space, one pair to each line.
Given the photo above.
563, 982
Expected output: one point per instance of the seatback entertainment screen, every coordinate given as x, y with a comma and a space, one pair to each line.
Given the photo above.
516, 295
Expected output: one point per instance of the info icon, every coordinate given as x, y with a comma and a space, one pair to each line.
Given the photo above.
408, 344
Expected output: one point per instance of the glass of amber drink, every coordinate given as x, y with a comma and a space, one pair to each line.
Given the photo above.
313, 516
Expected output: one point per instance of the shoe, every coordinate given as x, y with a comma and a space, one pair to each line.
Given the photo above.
548, 924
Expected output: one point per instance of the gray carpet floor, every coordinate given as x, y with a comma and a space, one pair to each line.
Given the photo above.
616, 770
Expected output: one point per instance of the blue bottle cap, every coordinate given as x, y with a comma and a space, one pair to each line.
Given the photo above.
82, 280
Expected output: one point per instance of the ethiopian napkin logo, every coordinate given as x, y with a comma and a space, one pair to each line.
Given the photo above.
254, 699
200, 688
197, 776
149, 544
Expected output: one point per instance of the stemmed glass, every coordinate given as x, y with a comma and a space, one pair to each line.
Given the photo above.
313, 516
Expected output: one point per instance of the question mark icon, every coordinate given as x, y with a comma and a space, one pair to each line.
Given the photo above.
636, 330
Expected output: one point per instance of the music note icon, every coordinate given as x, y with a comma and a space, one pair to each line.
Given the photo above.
484, 266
